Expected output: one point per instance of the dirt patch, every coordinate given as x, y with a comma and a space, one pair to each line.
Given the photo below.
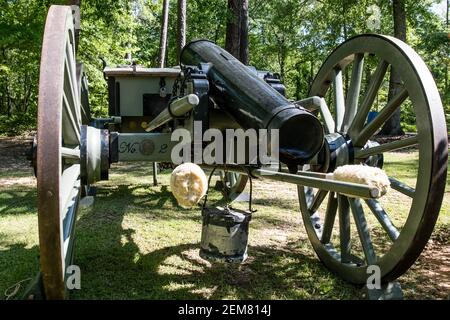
437, 265
429, 277
385, 139
23, 181
15, 169
13, 153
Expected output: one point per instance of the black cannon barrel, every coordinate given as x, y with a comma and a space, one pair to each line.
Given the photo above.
255, 104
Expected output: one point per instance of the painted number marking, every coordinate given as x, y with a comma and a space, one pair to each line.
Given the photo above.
128, 147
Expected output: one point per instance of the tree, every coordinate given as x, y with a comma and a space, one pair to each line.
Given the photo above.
243, 32
448, 36
232, 40
181, 23
392, 126
163, 39
236, 41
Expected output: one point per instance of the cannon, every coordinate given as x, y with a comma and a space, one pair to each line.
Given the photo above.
324, 131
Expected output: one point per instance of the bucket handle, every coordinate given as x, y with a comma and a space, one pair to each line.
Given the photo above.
251, 188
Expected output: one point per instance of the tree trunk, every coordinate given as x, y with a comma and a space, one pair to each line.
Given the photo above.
232, 40
236, 40
163, 38
392, 126
8, 100
448, 35
181, 34
282, 65
298, 87
243, 32
282, 58
27, 94
3, 85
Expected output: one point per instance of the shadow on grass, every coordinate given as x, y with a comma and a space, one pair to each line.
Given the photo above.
17, 200
113, 265
175, 272
160, 204
17, 262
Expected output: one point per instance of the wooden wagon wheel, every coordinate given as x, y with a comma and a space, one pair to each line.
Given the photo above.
58, 150
346, 247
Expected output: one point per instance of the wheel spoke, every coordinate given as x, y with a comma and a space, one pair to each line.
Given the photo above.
70, 78
386, 147
327, 117
363, 231
71, 137
344, 229
383, 218
301, 192
339, 103
232, 181
70, 153
68, 181
353, 91
317, 201
401, 187
330, 217
69, 219
309, 196
371, 93
383, 115
69, 90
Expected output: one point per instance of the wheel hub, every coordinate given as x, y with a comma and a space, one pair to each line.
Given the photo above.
338, 150
94, 154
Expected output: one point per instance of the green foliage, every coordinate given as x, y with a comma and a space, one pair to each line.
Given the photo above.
21, 27
108, 33
290, 37
18, 123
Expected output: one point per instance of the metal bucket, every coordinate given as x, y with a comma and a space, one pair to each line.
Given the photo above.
224, 234
225, 230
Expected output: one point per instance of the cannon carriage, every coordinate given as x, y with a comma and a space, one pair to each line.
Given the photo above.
318, 134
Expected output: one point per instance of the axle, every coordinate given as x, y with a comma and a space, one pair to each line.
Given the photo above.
310, 179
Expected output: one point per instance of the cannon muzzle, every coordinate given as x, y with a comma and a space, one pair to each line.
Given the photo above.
253, 103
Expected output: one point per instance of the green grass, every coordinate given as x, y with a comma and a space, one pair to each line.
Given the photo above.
136, 243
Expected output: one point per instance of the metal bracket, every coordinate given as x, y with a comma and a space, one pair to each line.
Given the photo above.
200, 86
162, 88
388, 291
87, 201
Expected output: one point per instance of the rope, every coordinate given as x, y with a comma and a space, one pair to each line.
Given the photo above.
16, 287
